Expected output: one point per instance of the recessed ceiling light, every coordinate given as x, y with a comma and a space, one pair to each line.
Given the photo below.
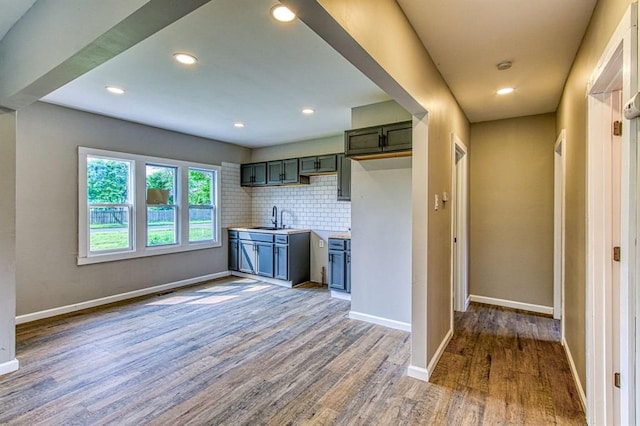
282, 13
115, 90
505, 91
308, 111
185, 58
238, 125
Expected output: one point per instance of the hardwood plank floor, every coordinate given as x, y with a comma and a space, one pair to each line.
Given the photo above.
236, 351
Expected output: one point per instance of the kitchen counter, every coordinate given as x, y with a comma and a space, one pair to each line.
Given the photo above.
285, 231
341, 235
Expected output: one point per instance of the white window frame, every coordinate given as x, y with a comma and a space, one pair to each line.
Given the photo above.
177, 191
215, 207
139, 211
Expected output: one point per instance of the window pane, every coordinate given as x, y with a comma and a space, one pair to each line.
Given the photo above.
107, 181
200, 223
109, 228
200, 182
163, 178
161, 226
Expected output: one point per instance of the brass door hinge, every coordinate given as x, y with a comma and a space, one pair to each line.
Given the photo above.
616, 254
617, 128
616, 380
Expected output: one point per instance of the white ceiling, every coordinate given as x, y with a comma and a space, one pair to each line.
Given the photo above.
251, 69
262, 73
468, 38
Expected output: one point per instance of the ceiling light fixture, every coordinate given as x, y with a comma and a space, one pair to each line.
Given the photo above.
115, 90
308, 111
505, 91
282, 13
238, 125
185, 58
504, 65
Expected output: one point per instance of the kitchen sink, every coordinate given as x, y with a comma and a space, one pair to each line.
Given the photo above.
266, 228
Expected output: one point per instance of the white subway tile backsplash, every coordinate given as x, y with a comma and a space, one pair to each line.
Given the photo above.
312, 206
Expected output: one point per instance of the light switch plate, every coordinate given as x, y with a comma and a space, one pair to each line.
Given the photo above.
321, 243
437, 203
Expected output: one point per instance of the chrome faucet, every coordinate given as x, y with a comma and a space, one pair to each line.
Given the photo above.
274, 216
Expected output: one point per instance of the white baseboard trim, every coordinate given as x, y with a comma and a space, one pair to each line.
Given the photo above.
340, 295
548, 310
574, 373
9, 367
21, 319
436, 357
398, 325
418, 373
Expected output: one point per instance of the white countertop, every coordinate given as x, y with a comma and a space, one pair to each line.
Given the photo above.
286, 231
341, 235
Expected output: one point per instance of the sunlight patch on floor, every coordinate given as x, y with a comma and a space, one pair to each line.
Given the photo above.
173, 300
255, 288
211, 300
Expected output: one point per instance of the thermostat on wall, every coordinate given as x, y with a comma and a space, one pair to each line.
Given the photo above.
632, 108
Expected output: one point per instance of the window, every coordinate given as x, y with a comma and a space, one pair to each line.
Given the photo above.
109, 202
201, 205
134, 206
162, 211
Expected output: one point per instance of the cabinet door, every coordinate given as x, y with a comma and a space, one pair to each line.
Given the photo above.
363, 141
264, 259
246, 174
274, 172
233, 255
308, 165
344, 178
281, 261
260, 174
290, 170
326, 163
247, 257
397, 137
336, 270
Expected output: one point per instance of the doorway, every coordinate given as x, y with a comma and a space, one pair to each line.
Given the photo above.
611, 223
460, 224
558, 228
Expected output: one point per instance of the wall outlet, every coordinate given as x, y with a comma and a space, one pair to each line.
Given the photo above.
321, 243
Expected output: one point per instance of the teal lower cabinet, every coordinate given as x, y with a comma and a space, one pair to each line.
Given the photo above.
340, 264
285, 258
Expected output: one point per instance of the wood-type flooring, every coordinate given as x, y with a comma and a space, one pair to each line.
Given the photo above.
240, 352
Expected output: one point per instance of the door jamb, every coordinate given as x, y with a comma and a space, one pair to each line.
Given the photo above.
460, 225
559, 228
620, 54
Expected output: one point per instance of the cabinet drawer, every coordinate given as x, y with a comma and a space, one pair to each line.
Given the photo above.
337, 244
256, 236
282, 239
233, 235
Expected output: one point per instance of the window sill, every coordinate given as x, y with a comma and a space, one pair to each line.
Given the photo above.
146, 252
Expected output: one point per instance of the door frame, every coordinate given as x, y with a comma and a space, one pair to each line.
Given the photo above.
459, 225
620, 56
559, 179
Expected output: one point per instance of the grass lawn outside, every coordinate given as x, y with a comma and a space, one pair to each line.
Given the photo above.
113, 240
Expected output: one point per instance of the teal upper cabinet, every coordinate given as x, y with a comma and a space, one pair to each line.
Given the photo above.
318, 164
284, 172
344, 178
388, 140
254, 174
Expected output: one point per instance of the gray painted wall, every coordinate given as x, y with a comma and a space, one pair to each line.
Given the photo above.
511, 209
47, 225
381, 238
7, 236
328, 145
